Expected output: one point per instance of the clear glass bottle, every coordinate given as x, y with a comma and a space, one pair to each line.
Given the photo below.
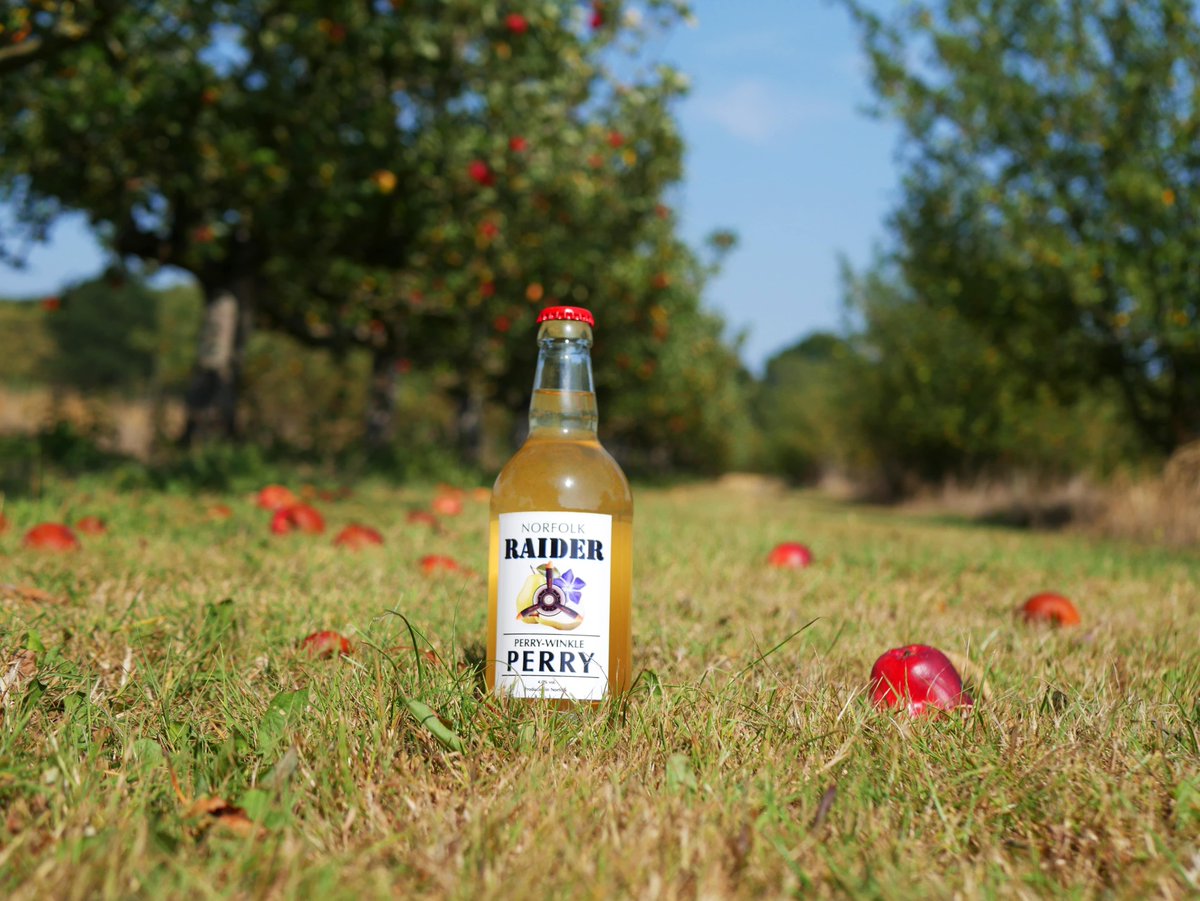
560, 564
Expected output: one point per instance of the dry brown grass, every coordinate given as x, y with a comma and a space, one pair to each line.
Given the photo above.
1076, 776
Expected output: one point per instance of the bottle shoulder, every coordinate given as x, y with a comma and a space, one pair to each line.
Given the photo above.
562, 475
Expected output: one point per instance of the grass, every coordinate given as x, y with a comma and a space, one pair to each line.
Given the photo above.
746, 762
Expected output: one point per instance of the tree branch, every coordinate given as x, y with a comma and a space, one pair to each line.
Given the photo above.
62, 37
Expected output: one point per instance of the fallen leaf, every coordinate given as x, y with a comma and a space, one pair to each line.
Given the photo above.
219, 812
212, 811
30, 594
17, 674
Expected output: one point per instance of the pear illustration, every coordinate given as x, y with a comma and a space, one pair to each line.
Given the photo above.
525, 595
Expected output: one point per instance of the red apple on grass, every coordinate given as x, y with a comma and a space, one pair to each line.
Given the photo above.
919, 678
300, 517
220, 511
275, 497
435, 563
357, 536
790, 554
306, 519
447, 505
51, 536
325, 644
421, 517
1049, 607
91, 525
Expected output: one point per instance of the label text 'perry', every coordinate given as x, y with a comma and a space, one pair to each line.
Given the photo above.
534, 662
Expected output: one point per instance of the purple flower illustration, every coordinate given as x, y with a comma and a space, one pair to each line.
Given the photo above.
571, 586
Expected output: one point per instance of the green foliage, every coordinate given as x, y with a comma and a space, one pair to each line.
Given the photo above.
104, 335
798, 409
926, 395
25, 343
1049, 193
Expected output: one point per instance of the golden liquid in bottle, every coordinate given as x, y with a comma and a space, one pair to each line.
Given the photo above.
564, 469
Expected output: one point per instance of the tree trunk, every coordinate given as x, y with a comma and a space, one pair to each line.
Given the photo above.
470, 423
213, 393
381, 400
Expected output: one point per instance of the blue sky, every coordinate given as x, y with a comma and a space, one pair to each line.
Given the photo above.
779, 150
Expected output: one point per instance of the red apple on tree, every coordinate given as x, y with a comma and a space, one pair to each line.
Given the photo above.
325, 644
480, 173
51, 536
919, 678
790, 554
1049, 607
516, 23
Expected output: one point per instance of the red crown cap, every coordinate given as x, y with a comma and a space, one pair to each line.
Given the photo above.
577, 314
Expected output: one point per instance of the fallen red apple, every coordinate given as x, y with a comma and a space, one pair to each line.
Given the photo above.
3, 523
434, 563
1049, 607
306, 519
422, 517
325, 644
790, 554
357, 536
91, 525
482, 495
281, 522
919, 678
51, 536
275, 497
447, 505
220, 511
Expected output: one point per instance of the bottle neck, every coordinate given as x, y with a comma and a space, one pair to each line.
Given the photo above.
564, 399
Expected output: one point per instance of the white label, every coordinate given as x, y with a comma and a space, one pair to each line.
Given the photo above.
553, 605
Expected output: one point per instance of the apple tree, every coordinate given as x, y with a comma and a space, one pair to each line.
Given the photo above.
331, 168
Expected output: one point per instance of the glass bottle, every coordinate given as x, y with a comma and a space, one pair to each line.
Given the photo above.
560, 564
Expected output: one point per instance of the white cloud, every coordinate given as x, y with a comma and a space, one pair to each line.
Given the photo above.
754, 110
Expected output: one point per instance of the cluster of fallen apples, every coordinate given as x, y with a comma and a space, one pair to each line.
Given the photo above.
918, 677
291, 514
